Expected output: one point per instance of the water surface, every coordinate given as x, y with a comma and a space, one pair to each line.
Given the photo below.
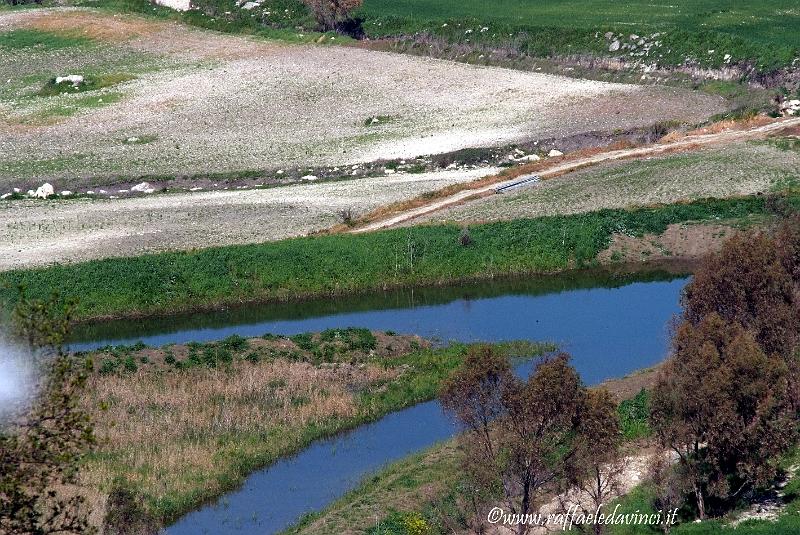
611, 324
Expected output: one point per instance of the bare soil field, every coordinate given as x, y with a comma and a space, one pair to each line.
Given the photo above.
36, 232
741, 168
198, 101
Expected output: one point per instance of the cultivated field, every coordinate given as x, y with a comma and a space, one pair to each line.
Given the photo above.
737, 169
35, 232
170, 100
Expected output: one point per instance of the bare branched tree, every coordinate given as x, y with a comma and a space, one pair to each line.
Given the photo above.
518, 435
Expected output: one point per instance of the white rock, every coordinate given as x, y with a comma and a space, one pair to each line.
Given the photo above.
31, 193
132, 139
554, 153
90, 192
44, 191
143, 187
613, 47
66, 193
4, 196
529, 158
309, 177
250, 5
74, 79
102, 192
122, 191
177, 5
196, 188
389, 171
15, 190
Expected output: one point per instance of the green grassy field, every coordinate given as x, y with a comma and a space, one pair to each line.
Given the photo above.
342, 264
763, 34
706, 30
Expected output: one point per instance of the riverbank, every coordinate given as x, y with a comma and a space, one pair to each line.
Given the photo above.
324, 266
182, 424
424, 486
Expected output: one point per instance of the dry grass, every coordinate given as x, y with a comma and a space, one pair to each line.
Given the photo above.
165, 432
118, 28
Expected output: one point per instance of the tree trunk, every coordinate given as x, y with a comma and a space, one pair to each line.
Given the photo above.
701, 504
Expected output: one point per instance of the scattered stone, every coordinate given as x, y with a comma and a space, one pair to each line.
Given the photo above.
177, 5
74, 79
44, 191
790, 107
529, 158
555, 153
5, 196
132, 139
66, 193
15, 190
389, 171
143, 187
196, 188
309, 177
613, 47
609, 35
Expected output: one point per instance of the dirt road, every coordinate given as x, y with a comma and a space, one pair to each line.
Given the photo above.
564, 165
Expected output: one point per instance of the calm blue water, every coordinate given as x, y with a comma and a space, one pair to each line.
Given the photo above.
610, 330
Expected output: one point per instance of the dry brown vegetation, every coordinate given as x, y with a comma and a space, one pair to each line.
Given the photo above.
181, 423
165, 428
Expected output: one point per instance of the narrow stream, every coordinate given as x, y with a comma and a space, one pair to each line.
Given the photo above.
610, 324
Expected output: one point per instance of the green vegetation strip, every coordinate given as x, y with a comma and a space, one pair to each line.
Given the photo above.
764, 33
712, 33
341, 264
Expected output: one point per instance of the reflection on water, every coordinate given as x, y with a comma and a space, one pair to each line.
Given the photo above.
611, 324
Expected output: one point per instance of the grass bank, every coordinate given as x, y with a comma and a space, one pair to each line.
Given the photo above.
424, 488
711, 34
344, 264
182, 424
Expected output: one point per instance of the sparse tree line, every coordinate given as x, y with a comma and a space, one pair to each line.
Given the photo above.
724, 408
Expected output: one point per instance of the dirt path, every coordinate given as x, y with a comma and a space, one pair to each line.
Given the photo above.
564, 165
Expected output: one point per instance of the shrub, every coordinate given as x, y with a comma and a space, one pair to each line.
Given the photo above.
130, 364
235, 343
304, 341
333, 14
126, 514
465, 238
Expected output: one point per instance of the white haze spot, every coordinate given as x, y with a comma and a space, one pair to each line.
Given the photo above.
18, 378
